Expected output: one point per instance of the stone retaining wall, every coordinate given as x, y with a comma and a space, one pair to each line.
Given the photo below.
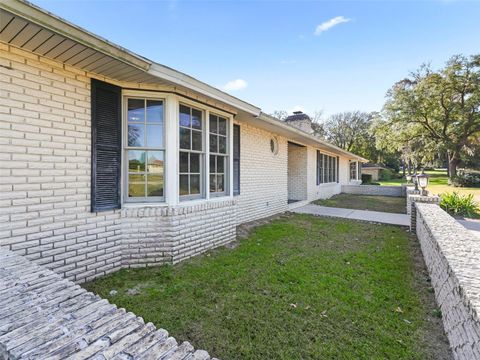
452, 257
44, 316
373, 190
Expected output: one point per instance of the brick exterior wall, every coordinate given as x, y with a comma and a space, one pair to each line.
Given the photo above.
297, 172
163, 234
452, 257
263, 175
45, 169
45, 164
322, 191
378, 190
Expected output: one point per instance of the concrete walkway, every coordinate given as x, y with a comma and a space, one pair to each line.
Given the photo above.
374, 216
471, 224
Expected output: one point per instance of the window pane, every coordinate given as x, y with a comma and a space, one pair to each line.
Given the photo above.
213, 124
136, 161
222, 145
136, 136
184, 185
155, 136
213, 143
196, 140
213, 183
185, 138
184, 116
136, 185
154, 111
155, 185
220, 164
183, 162
220, 183
222, 126
194, 184
194, 163
196, 119
155, 162
136, 110
213, 168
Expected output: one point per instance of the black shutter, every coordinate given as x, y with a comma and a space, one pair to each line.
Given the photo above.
236, 160
318, 167
106, 146
338, 169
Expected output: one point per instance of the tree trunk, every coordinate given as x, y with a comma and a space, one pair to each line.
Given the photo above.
448, 164
452, 166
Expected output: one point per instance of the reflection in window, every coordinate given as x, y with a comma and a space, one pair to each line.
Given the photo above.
145, 149
191, 156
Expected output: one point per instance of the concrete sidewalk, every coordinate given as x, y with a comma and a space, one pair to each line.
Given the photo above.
374, 216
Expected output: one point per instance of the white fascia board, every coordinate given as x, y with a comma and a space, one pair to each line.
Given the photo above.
57, 25
309, 138
184, 80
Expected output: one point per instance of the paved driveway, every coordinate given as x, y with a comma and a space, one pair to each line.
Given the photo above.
374, 216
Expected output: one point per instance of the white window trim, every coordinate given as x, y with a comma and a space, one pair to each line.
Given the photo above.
334, 156
172, 149
128, 94
207, 110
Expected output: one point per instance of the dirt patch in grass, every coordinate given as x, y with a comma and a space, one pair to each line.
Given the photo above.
298, 287
389, 204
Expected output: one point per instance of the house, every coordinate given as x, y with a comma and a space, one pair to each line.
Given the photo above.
111, 160
373, 169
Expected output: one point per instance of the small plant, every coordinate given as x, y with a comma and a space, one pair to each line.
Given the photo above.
459, 205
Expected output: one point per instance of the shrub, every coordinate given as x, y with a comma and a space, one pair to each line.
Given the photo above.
460, 205
386, 174
366, 179
466, 179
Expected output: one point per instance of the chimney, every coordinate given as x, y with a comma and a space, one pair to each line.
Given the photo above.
301, 121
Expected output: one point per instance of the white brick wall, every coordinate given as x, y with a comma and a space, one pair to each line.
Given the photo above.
452, 257
162, 234
263, 175
297, 172
45, 169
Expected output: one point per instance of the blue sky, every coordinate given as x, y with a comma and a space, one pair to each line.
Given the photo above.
313, 55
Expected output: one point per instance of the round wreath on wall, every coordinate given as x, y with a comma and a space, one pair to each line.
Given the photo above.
274, 145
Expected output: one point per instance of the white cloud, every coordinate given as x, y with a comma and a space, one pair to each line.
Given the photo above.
297, 108
234, 85
330, 23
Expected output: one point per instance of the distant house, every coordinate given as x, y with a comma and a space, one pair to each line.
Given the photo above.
112, 160
373, 169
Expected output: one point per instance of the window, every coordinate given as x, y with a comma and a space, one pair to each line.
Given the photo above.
218, 137
236, 159
191, 152
274, 146
145, 149
326, 168
353, 170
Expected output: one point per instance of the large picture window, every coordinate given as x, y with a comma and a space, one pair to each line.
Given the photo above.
145, 149
326, 168
218, 139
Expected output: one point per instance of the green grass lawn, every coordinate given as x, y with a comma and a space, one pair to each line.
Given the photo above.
299, 287
366, 202
438, 184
